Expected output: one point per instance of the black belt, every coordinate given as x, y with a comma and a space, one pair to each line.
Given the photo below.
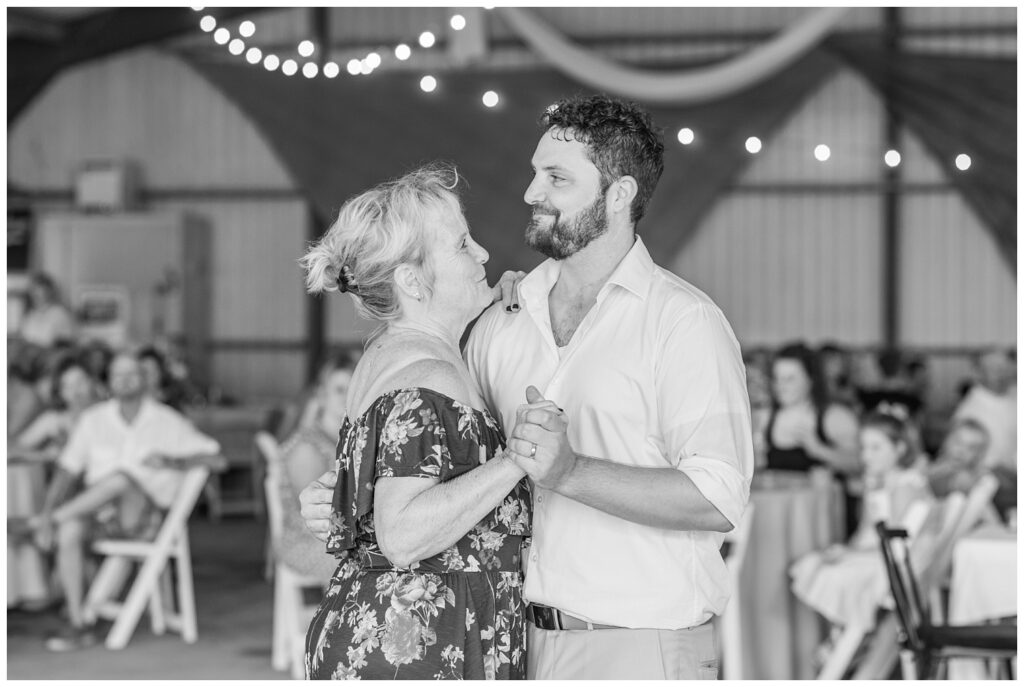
547, 618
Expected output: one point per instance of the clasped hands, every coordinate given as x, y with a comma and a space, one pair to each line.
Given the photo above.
538, 443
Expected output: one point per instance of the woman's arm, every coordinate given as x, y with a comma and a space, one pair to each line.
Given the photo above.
418, 517
841, 427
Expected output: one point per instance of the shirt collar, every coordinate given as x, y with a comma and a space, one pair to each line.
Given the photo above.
633, 273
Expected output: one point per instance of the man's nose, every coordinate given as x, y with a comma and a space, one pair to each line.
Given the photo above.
533, 193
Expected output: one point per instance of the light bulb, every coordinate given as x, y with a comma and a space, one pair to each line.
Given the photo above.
403, 51
246, 28
208, 23
253, 55
306, 48
457, 22
685, 136
428, 83
753, 144
221, 36
822, 152
354, 67
373, 59
309, 70
289, 67
490, 99
427, 39
331, 70
271, 62
236, 46
892, 158
963, 162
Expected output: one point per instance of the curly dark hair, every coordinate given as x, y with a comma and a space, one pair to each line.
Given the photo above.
808, 359
620, 140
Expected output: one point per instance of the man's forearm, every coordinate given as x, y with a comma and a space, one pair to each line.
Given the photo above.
657, 497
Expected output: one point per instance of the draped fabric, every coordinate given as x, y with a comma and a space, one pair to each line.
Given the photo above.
688, 86
338, 137
956, 105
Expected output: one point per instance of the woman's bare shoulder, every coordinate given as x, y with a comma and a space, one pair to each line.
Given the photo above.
410, 365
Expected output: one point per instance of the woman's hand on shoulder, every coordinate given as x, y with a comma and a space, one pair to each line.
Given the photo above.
506, 290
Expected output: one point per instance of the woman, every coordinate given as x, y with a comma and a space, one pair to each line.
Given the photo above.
805, 429
429, 515
74, 390
307, 454
47, 320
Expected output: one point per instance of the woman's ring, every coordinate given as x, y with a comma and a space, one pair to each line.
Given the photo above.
533, 450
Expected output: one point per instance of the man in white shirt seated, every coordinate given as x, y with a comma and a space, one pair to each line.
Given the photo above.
131, 452
992, 403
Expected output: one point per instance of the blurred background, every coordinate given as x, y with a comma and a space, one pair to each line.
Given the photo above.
167, 166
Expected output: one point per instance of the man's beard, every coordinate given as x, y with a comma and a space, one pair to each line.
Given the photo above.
562, 239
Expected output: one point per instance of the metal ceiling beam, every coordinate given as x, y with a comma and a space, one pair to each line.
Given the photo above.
32, 62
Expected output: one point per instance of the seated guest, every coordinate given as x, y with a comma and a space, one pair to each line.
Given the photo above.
960, 463
845, 582
131, 451
307, 454
97, 355
74, 390
26, 376
160, 384
992, 403
894, 386
836, 374
46, 320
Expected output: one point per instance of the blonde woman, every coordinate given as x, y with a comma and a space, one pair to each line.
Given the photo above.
429, 516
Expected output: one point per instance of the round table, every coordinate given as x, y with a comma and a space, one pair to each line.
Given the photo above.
795, 513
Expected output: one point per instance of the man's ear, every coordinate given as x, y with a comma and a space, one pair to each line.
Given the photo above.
622, 193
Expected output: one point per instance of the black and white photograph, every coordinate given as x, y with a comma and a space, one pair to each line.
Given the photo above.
512, 343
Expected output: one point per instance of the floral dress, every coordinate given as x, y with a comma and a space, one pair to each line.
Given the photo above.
456, 615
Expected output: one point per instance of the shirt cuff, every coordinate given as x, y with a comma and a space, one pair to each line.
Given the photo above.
719, 483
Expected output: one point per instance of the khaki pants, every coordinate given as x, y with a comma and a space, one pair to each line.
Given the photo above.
625, 654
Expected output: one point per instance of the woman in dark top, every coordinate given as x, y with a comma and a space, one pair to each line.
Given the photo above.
805, 429
429, 515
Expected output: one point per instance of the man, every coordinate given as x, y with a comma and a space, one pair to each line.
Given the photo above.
958, 467
648, 456
992, 402
131, 451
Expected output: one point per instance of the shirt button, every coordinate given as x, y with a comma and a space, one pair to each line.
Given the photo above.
540, 498
533, 557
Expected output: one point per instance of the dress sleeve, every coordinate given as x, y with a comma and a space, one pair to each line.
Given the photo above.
413, 439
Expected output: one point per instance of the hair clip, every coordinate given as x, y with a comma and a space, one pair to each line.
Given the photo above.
346, 282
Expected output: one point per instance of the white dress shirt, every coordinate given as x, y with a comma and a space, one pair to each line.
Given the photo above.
102, 443
652, 378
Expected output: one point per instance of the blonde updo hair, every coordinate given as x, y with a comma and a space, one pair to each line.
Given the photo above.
377, 231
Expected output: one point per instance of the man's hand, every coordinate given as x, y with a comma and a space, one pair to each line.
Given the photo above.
315, 502
538, 443
506, 292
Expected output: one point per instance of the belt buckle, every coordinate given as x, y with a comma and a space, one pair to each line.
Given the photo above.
545, 617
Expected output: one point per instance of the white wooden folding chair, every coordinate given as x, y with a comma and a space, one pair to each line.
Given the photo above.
152, 584
730, 623
291, 614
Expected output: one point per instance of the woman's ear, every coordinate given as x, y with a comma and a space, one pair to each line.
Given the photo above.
408, 282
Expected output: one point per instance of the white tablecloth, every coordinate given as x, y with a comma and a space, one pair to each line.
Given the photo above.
983, 586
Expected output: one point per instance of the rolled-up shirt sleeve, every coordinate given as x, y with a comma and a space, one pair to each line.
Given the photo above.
189, 441
705, 411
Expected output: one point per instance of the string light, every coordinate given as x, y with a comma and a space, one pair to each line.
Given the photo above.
685, 136
246, 28
306, 48
253, 55
271, 62
197, 9
427, 39
208, 23
310, 69
403, 51
354, 67
373, 59
289, 67
822, 152
490, 99
365, 66
963, 162
428, 83
221, 36
236, 47
457, 22
331, 70
892, 158
753, 145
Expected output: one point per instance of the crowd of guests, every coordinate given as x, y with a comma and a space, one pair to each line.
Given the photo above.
860, 418
97, 447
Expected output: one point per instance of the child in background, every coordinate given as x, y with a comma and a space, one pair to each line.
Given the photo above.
845, 582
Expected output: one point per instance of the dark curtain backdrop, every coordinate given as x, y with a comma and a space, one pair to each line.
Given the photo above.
339, 137
956, 105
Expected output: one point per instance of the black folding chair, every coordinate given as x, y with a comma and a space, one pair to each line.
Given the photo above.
931, 645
